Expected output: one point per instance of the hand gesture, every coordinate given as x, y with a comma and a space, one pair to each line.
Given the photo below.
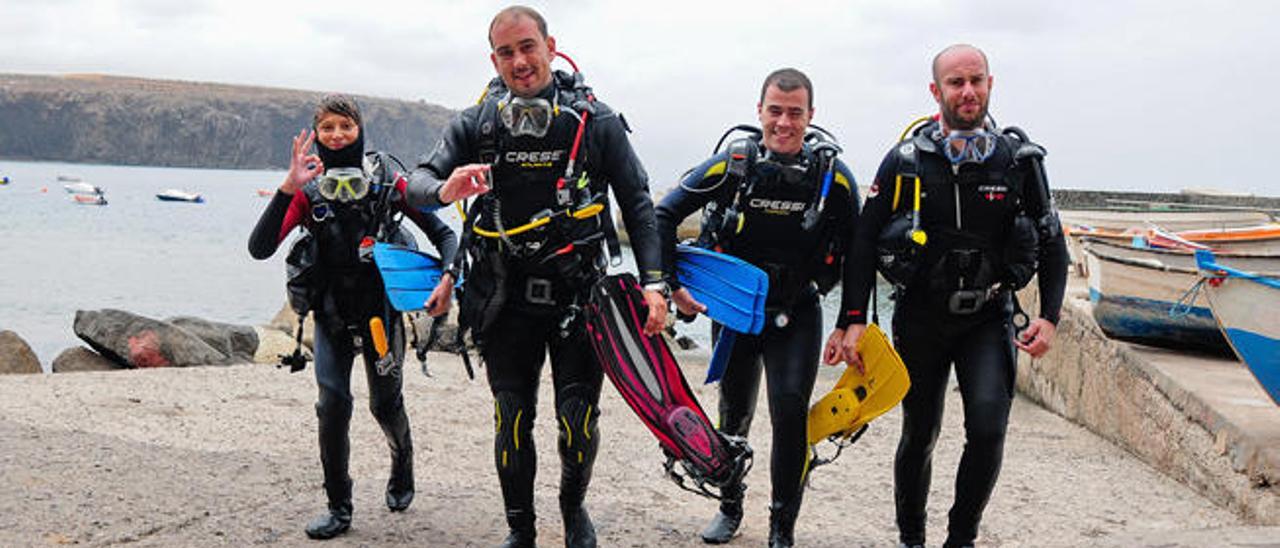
303, 166
465, 182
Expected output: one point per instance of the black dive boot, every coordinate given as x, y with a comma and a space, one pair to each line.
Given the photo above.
400, 484
522, 534
577, 455
782, 524
336, 522
724, 526
334, 454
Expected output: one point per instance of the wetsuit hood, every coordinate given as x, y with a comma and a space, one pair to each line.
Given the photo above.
351, 155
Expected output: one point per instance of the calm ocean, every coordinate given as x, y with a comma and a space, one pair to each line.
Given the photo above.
140, 254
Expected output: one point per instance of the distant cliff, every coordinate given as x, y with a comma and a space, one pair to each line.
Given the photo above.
134, 121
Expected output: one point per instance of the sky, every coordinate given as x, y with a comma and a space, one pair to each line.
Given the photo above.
1127, 95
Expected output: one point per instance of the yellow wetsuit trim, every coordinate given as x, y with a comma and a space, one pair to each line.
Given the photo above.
515, 429
842, 181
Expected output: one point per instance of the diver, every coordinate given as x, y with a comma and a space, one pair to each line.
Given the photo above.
958, 218
781, 200
344, 199
539, 153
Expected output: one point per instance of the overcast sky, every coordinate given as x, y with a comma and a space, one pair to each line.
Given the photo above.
1140, 95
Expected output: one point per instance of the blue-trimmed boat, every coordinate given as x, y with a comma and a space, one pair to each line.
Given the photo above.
1146, 295
1246, 306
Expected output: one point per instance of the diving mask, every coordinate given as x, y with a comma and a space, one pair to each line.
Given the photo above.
527, 116
972, 146
344, 184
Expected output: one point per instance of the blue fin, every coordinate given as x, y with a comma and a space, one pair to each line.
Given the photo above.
409, 276
720, 354
733, 290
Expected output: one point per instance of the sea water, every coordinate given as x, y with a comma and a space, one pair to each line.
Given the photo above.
154, 258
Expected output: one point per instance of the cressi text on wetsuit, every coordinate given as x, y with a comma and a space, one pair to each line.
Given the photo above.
771, 195
524, 289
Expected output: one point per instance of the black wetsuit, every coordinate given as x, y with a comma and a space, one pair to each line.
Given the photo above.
930, 337
530, 295
351, 293
772, 237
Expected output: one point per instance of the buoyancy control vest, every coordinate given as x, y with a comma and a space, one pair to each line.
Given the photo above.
778, 216
543, 196
964, 266
333, 254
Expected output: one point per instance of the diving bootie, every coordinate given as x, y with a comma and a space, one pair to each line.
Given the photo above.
782, 525
400, 485
522, 533
332, 523
725, 525
579, 532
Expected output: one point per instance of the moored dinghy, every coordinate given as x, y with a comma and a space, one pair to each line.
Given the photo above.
82, 188
1246, 306
175, 195
1142, 295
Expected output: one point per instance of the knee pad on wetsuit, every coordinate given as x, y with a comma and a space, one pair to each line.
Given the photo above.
513, 428
579, 435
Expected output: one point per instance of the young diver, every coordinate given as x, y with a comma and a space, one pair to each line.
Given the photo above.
344, 199
782, 201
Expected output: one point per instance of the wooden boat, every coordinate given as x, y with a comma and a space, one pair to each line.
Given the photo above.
1246, 306
1138, 295
175, 195
89, 199
1176, 221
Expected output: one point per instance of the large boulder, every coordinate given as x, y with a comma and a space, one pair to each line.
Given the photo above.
138, 341
79, 358
16, 355
287, 320
272, 343
240, 342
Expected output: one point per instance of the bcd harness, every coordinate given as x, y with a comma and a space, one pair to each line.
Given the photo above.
722, 223
311, 273
971, 272
564, 238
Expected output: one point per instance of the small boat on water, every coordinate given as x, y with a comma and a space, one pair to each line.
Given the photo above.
4, 180
1246, 306
1147, 295
89, 199
68, 179
175, 195
82, 188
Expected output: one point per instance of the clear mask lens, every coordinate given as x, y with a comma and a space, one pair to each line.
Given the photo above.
969, 146
527, 117
343, 184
